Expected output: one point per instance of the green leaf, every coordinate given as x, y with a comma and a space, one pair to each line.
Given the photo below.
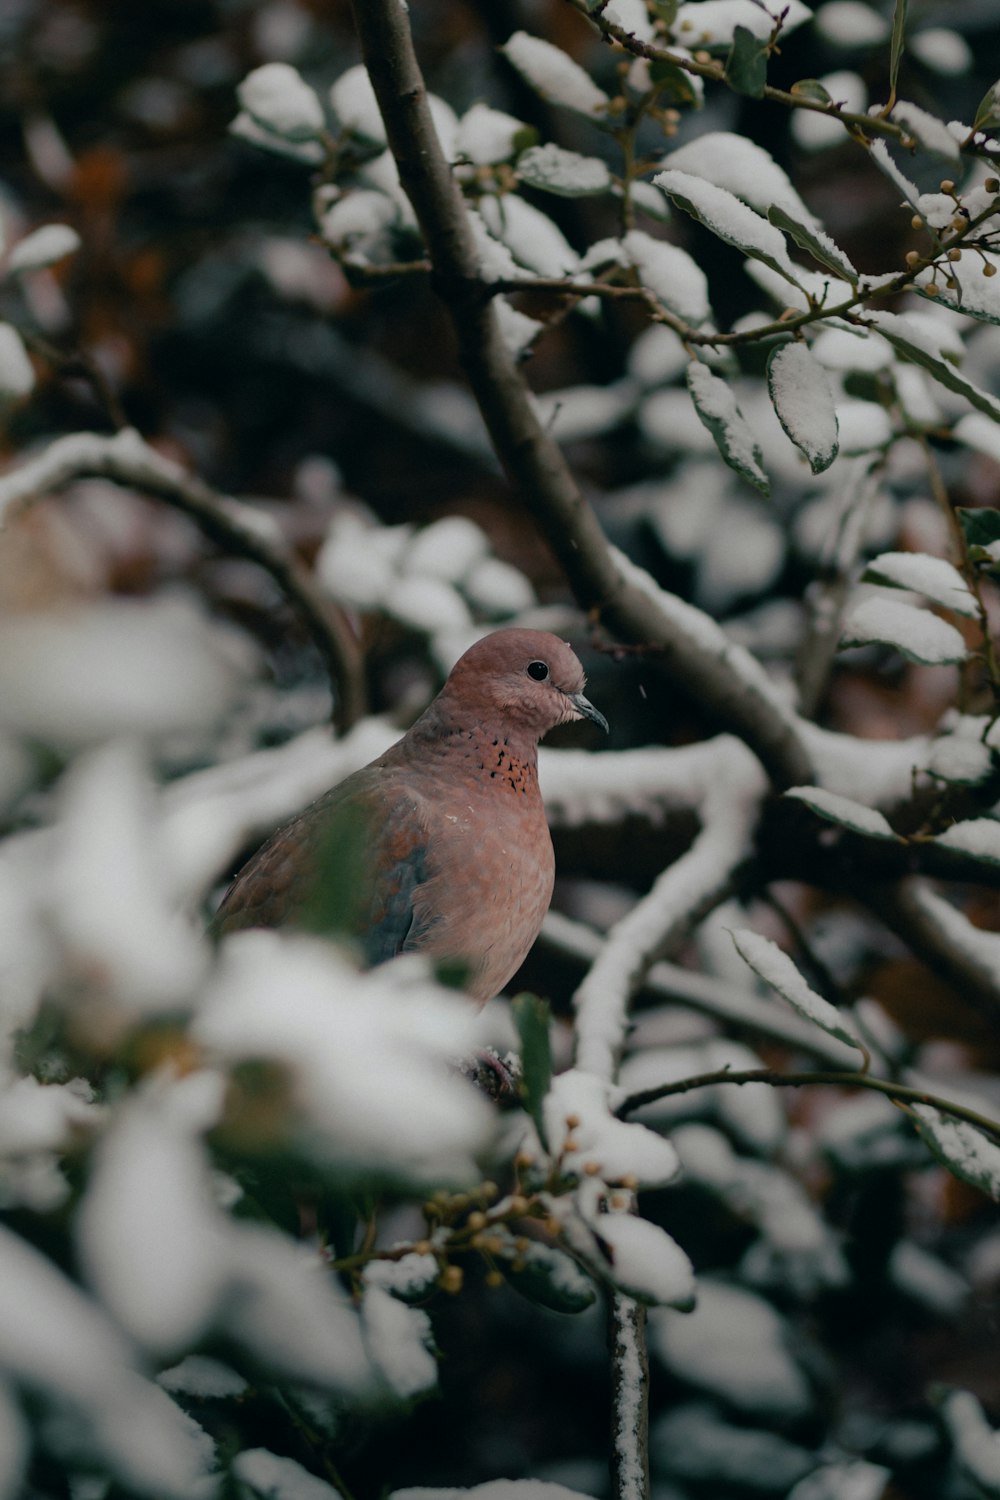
918, 347
531, 1017
980, 525
963, 1149
717, 409
896, 45
746, 65
988, 113
548, 1277
819, 244
811, 88
802, 396
679, 86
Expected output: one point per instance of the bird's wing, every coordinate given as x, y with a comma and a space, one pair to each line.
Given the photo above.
354, 862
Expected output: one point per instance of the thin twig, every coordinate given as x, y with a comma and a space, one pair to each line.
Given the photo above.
900, 1092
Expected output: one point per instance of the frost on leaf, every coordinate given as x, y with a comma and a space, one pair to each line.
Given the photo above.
914, 633
844, 811
674, 278
774, 966
963, 1149
803, 399
553, 75
280, 100
566, 173
716, 407
726, 216
931, 576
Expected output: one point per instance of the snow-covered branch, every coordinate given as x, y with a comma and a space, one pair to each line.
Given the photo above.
127, 459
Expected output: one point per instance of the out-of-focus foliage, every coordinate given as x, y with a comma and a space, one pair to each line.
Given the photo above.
259, 1235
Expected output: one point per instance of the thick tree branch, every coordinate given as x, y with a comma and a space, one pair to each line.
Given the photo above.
691, 649
127, 459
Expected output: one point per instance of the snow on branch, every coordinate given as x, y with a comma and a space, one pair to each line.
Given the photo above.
127, 459
729, 801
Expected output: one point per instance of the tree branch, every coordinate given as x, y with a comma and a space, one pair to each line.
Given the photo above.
899, 1092
693, 651
127, 459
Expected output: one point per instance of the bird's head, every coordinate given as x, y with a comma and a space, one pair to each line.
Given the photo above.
527, 680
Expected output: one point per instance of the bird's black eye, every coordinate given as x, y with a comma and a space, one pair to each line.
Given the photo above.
538, 670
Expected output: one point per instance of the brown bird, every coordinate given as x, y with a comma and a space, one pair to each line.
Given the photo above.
441, 844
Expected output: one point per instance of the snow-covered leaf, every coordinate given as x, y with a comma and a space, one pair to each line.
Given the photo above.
599, 1146
927, 130
717, 409
849, 23
281, 101
912, 340
674, 278
486, 136
856, 1479
553, 75
355, 107
399, 1341
803, 399
979, 837
742, 168
808, 234
931, 576
17, 373
976, 1444
545, 1275
262, 1475
644, 1261
974, 293
915, 633
845, 812
712, 23
775, 967
729, 218
43, 247
963, 1149
566, 173
531, 236
879, 153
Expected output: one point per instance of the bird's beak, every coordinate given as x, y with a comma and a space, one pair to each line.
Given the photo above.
586, 710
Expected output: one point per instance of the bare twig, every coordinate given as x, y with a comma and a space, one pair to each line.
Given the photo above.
127, 459
692, 652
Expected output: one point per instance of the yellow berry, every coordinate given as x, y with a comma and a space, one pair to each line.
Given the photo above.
494, 1278
518, 1205
913, 259
916, 222
477, 1220
572, 1122
989, 269
992, 184
631, 1182
451, 1279
955, 254
524, 1159
947, 186
422, 1247
571, 1143
592, 1168
932, 289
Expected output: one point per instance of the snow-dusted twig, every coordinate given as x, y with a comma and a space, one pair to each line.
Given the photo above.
901, 1092
945, 939
127, 459
630, 1469
728, 799
693, 651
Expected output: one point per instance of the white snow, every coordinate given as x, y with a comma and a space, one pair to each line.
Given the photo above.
280, 100
844, 810
444, 549
977, 430
494, 1489
803, 400
977, 1445
977, 295
959, 758
929, 132
855, 1479
399, 1340
916, 633
555, 170
532, 237
17, 373
553, 75
262, 1475
643, 1260
864, 427
352, 100
838, 349
814, 131
584, 411
942, 50
674, 278
914, 340
734, 1346
729, 218
969, 1153
657, 355
14, 1446
976, 836
204, 1378
879, 153
775, 967
486, 135
708, 22
43, 247
601, 1145
368, 1053
742, 168
497, 589
632, 16
716, 407
848, 23
931, 576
